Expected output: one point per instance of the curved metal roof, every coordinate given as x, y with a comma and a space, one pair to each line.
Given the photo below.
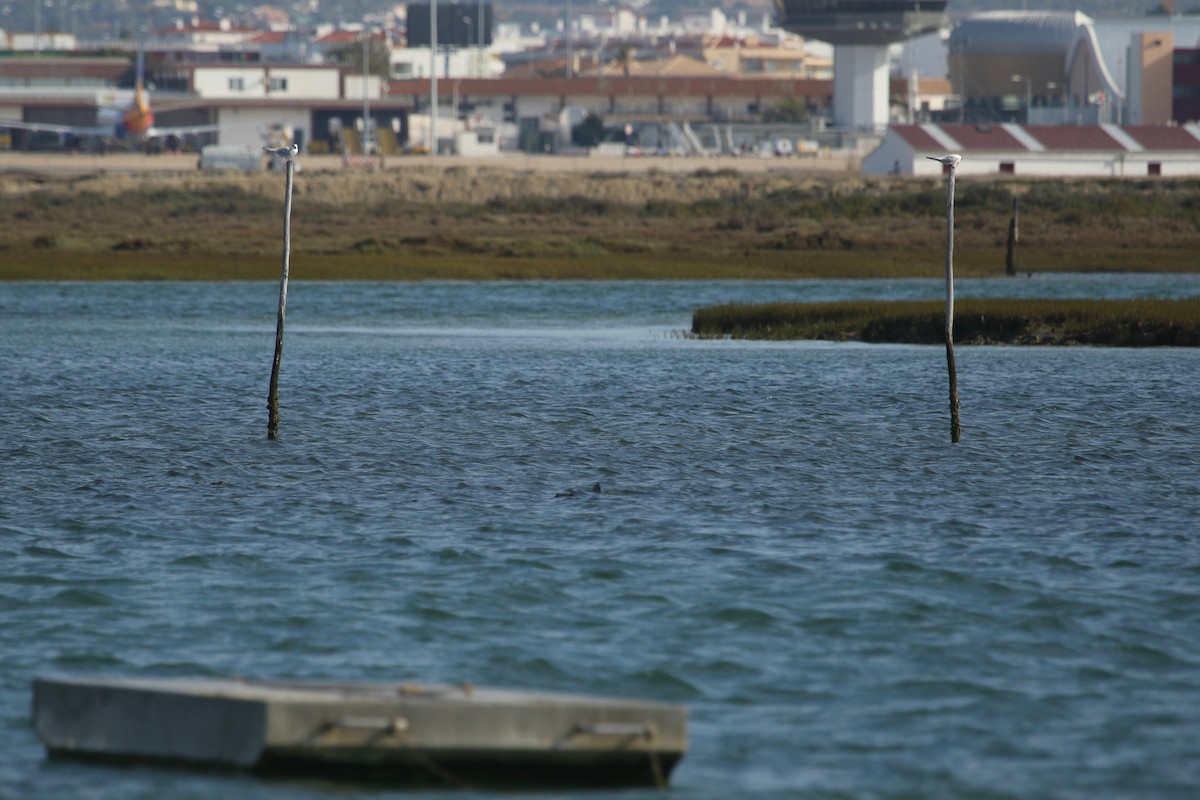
1019, 31
1016, 33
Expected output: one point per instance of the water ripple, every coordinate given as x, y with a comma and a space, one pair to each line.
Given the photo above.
783, 537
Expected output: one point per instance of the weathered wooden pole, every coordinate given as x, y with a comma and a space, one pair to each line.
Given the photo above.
289, 154
950, 162
1010, 264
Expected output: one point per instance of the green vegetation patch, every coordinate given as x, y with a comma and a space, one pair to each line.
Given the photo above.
432, 222
1145, 322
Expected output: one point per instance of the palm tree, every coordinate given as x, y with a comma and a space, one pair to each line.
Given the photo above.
379, 56
625, 55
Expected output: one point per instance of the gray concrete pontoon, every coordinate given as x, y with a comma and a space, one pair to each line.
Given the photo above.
406, 733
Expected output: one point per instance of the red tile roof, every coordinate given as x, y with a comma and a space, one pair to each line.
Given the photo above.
983, 137
917, 137
1055, 138
338, 37
269, 37
1162, 137
680, 86
1073, 137
202, 26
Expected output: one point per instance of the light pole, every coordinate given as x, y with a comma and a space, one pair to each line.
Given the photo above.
366, 132
570, 44
1028, 94
482, 33
433, 93
467, 19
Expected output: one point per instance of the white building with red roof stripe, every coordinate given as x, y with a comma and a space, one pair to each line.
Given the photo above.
1040, 150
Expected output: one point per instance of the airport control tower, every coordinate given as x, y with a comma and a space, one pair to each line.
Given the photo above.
861, 32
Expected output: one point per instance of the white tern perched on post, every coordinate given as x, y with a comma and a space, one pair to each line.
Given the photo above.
286, 152
949, 160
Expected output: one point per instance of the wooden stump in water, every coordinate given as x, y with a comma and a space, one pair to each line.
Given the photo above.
1010, 264
273, 393
950, 162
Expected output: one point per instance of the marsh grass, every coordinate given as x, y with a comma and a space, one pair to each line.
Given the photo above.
489, 222
1114, 323
383, 265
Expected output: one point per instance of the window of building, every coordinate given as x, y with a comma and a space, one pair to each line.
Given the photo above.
1154, 168
277, 85
1007, 168
237, 85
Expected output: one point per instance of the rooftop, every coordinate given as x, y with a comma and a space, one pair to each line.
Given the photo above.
1051, 138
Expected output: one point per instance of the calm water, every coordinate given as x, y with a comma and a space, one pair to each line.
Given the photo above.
785, 540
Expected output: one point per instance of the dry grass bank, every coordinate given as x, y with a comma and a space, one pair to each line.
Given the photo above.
480, 221
421, 183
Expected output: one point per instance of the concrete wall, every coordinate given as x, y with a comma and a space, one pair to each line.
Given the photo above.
354, 87
542, 106
627, 105
860, 87
477, 143
894, 155
222, 82
416, 62
263, 82
44, 41
247, 127
308, 84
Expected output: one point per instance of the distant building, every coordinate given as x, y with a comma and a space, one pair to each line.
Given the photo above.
677, 66
660, 98
336, 40
861, 32
320, 107
1062, 150
204, 34
1031, 67
38, 42
1150, 79
767, 60
462, 62
1185, 84
1065, 68
177, 6
919, 99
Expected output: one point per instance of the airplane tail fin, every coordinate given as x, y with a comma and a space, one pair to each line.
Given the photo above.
139, 119
139, 90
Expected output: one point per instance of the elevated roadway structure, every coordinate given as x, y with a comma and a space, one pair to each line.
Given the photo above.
861, 31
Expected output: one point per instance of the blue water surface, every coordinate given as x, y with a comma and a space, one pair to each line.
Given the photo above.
783, 537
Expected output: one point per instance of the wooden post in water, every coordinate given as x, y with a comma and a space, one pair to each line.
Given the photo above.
1010, 264
950, 162
289, 154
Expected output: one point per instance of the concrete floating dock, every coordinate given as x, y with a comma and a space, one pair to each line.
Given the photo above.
403, 733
